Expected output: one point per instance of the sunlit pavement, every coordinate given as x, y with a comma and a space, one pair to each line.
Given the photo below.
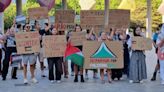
91, 85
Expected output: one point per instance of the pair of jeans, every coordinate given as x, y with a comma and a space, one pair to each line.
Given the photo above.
57, 61
8, 52
161, 69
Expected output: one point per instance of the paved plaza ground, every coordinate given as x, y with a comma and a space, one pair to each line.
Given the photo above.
91, 85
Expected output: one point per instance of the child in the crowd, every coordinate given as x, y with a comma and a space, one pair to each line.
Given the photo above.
160, 44
137, 70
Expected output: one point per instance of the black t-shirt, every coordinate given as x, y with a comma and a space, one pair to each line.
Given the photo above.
42, 33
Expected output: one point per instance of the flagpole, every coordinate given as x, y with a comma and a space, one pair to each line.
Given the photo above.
106, 13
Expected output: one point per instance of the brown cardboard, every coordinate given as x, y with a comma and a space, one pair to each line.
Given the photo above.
38, 13
64, 16
27, 42
119, 18
77, 38
91, 18
91, 47
54, 45
141, 43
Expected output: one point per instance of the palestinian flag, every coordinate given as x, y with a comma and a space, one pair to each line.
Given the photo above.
74, 54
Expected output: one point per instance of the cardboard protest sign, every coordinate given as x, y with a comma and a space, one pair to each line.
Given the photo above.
54, 45
119, 18
141, 43
100, 55
91, 18
77, 38
27, 42
64, 16
64, 26
38, 13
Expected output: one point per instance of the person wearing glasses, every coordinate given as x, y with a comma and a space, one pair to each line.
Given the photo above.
31, 59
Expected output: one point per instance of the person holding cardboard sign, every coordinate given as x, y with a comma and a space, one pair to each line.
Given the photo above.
31, 58
137, 68
105, 37
76, 67
91, 36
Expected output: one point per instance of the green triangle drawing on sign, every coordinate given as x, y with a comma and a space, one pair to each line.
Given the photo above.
103, 52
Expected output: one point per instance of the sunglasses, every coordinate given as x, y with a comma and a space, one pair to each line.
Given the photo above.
27, 26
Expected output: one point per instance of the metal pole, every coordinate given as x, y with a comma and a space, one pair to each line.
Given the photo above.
106, 13
64, 4
19, 7
149, 20
2, 21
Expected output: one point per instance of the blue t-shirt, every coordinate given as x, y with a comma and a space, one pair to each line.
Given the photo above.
155, 36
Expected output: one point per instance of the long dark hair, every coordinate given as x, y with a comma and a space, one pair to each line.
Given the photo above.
134, 31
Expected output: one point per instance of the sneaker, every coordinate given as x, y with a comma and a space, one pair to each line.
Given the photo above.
102, 81
58, 81
34, 80
52, 81
43, 76
141, 81
95, 76
110, 81
162, 82
130, 81
14, 78
66, 76
25, 81
72, 73
86, 76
